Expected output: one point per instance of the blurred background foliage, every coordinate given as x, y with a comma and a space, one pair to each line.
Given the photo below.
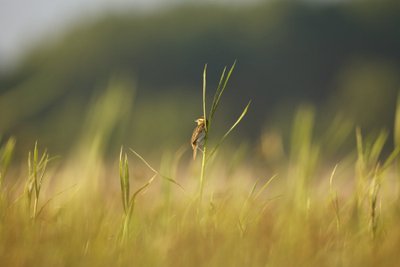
342, 58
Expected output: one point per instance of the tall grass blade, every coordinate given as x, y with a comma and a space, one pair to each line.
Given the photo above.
265, 186
334, 199
220, 90
143, 160
155, 171
143, 187
6, 154
373, 199
204, 95
48, 201
253, 189
230, 130
396, 134
377, 147
221, 80
36, 170
129, 201
360, 149
391, 158
124, 179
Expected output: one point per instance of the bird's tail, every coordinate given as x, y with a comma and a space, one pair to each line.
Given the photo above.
194, 153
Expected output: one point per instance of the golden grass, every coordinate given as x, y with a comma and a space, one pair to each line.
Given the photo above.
243, 222
83, 210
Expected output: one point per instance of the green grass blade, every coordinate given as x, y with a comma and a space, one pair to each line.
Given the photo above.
220, 90
221, 80
55, 196
121, 179
143, 160
230, 130
155, 171
253, 189
331, 177
245, 203
204, 93
29, 182
42, 169
377, 147
43, 158
391, 158
6, 154
35, 165
360, 149
265, 186
124, 179
137, 192
171, 180
396, 134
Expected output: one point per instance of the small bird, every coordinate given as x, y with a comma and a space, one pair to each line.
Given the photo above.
198, 136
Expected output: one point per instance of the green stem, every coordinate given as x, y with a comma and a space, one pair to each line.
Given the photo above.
125, 229
35, 204
202, 174
126, 224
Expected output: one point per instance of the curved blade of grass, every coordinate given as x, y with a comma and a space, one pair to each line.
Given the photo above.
377, 146
220, 89
253, 189
169, 179
124, 179
250, 196
265, 186
137, 192
155, 171
331, 177
143, 187
55, 196
143, 160
44, 158
242, 216
221, 80
391, 158
42, 167
230, 130
334, 198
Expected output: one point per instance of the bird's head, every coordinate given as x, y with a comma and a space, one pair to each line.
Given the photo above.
200, 120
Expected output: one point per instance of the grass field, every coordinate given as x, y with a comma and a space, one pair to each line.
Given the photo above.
226, 209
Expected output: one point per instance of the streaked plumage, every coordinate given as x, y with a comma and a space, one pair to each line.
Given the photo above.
199, 133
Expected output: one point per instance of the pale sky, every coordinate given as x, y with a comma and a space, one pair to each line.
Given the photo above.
23, 23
